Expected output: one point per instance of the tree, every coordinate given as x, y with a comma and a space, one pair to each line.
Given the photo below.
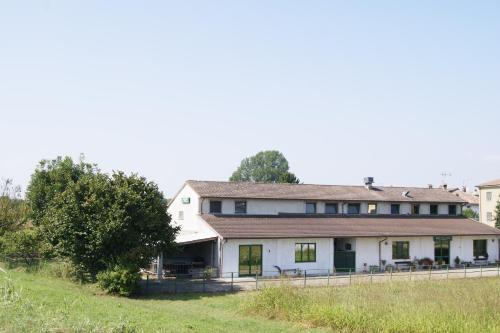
470, 214
266, 166
99, 222
50, 179
497, 217
13, 209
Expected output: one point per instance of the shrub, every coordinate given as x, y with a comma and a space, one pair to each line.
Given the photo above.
119, 280
24, 246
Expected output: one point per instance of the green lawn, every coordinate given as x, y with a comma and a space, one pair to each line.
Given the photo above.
53, 305
36, 303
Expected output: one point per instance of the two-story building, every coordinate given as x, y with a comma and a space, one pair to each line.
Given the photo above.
256, 228
489, 195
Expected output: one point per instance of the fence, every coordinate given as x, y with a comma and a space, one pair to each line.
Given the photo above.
312, 278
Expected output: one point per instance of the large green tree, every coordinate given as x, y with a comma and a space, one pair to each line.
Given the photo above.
269, 166
99, 221
50, 179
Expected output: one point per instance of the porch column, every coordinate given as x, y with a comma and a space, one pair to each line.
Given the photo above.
159, 266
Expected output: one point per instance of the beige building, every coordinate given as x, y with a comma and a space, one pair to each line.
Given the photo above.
489, 195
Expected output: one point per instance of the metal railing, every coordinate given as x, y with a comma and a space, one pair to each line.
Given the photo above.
232, 281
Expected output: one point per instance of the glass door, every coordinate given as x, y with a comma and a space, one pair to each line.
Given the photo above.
442, 251
250, 260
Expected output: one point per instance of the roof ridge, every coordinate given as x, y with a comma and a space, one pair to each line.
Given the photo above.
310, 184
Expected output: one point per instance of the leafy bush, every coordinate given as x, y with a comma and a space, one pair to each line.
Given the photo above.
119, 280
24, 246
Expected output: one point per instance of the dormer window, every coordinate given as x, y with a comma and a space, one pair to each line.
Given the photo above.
240, 207
395, 209
452, 209
310, 208
353, 208
372, 208
415, 209
331, 208
215, 206
433, 209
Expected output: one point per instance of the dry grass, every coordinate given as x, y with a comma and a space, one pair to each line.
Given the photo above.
428, 306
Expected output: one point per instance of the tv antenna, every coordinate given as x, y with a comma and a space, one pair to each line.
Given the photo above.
444, 175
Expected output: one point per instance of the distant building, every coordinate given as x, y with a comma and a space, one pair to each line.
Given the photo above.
489, 195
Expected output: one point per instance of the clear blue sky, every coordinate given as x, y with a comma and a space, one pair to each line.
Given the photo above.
398, 90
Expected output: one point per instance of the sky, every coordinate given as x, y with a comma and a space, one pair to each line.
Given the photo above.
398, 90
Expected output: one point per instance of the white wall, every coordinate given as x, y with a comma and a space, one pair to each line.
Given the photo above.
273, 207
488, 206
193, 227
420, 247
279, 252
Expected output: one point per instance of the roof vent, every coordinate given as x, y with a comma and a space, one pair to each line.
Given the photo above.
368, 182
406, 194
430, 186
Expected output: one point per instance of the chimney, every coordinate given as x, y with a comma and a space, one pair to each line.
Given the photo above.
369, 182
444, 186
464, 189
430, 186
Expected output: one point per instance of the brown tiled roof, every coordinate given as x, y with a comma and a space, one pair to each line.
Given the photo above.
320, 192
495, 182
342, 226
468, 197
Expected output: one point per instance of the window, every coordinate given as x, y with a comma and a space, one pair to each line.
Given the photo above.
400, 250
489, 216
331, 208
452, 209
415, 209
488, 196
372, 208
353, 208
181, 215
434, 209
215, 206
310, 208
395, 209
480, 248
305, 252
240, 207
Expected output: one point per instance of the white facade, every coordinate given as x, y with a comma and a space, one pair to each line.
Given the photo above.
273, 207
281, 252
488, 199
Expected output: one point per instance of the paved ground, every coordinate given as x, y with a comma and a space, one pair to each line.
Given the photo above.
239, 284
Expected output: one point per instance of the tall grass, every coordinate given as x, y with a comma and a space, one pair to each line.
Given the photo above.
20, 314
429, 306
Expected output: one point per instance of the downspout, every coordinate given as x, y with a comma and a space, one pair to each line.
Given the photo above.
380, 252
200, 209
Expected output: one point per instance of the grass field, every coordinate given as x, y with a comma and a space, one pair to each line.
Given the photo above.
34, 303
37, 303
469, 305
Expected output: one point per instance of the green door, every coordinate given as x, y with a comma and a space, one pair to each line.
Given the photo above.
442, 251
345, 261
250, 262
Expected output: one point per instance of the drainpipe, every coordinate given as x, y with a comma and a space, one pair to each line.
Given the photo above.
380, 252
200, 210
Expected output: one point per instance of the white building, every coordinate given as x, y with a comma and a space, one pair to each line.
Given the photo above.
255, 228
489, 196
